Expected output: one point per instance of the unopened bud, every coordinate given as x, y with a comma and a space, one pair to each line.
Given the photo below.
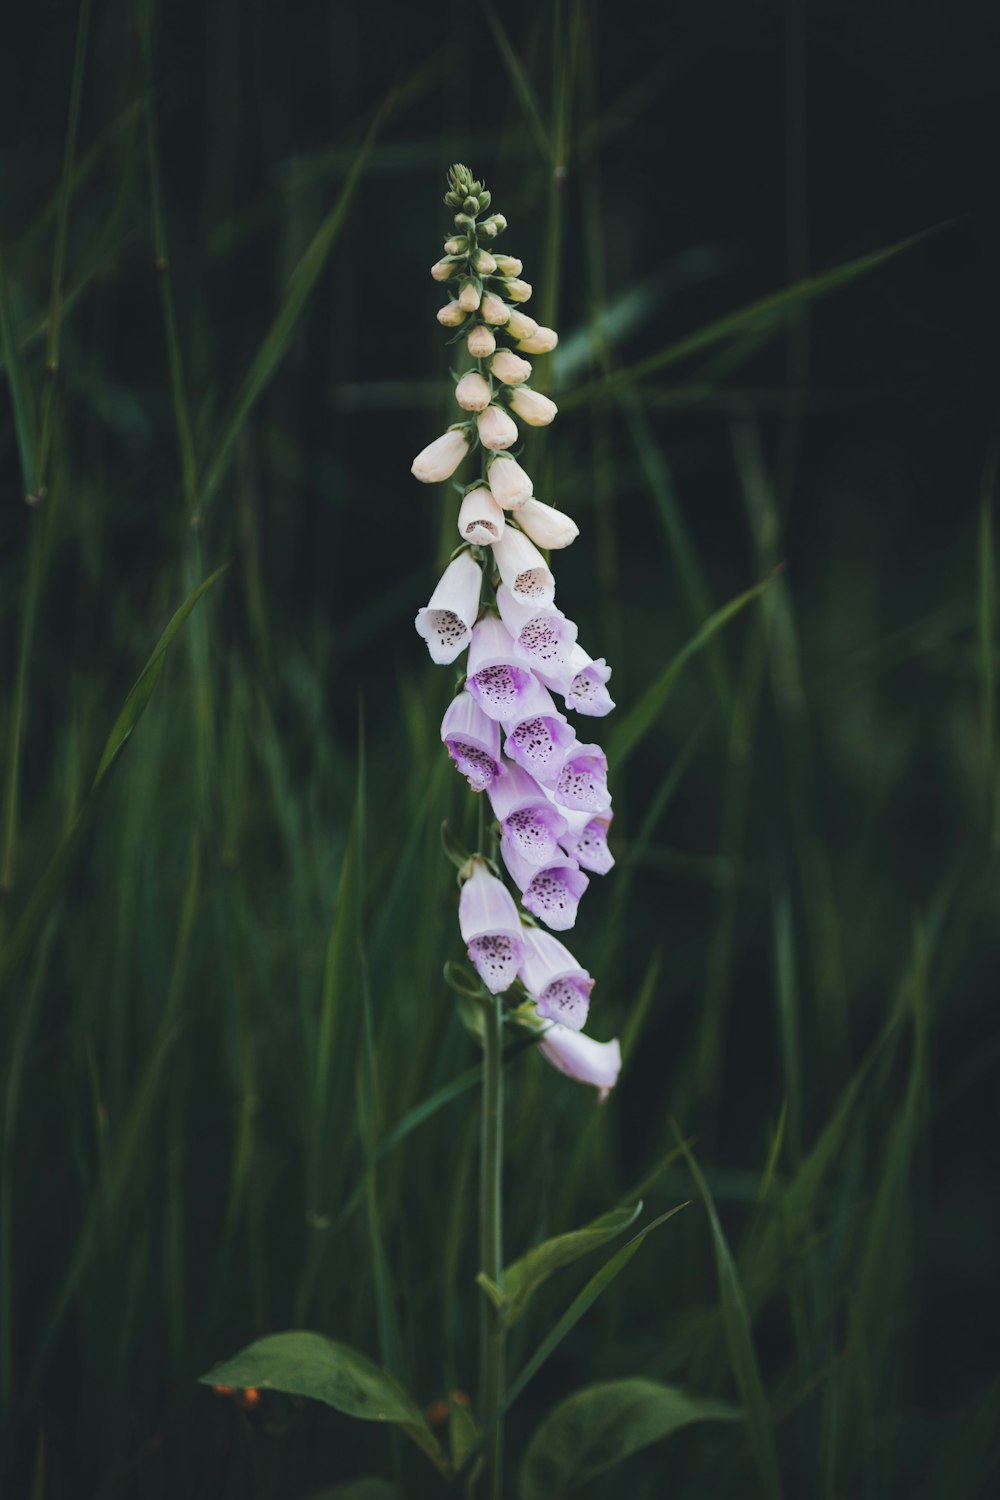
470, 296
459, 246
509, 483
488, 229
442, 269
532, 407
493, 310
547, 527
542, 341
464, 221
518, 291
496, 428
484, 263
508, 265
521, 326
471, 205
480, 341
473, 392
451, 315
485, 199
507, 367
439, 460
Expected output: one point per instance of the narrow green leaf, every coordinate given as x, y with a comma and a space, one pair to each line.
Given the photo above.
602, 1425
525, 1275
307, 1364
142, 690
24, 418
743, 1359
520, 82
637, 721
775, 307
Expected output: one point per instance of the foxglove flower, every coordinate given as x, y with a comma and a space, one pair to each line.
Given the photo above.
491, 929
440, 459
583, 780
509, 368
546, 526
496, 428
542, 341
538, 737
580, 1057
509, 483
472, 392
543, 636
479, 341
586, 840
480, 519
523, 568
446, 621
551, 892
583, 684
472, 739
500, 684
532, 407
519, 325
529, 821
555, 981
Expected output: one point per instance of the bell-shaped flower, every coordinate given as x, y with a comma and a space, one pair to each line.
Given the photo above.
551, 892
480, 519
495, 311
542, 341
506, 366
509, 265
586, 840
499, 682
538, 737
473, 742
522, 567
451, 315
517, 290
497, 429
491, 929
440, 459
484, 263
585, 685
472, 392
555, 981
580, 1057
470, 296
547, 526
529, 822
509, 482
532, 407
543, 636
480, 341
446, 621
582, 782
519, 325
441, 270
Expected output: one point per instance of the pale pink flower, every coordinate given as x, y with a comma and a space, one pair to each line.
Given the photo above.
510, 484
440, 459
506, 366
497, 429
547, 527
532, 407
580, 1057
472, 392
479, 341
480, 519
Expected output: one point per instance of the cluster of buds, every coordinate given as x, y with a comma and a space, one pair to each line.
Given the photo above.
496, 599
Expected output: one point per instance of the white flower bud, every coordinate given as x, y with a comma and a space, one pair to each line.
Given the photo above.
520, 325
542, 342
518, 291
496, 428
480, 342
532, 407
473, 392
547, 526
484, 263
507, 367
451, 315
488, 228
480, 519
469, 297
442, 269
457, 246
509, 265
509, 482
440, 459
493, 310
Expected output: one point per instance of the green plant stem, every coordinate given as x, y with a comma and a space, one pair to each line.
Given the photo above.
492, 1336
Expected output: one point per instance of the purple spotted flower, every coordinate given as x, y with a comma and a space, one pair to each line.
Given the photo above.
587, 840
523, 569
473, 742
446, 621
582, 782
582, 684
580, 1057
538, 736
544, 637
498, 681
528, 820
491, 928
555, 981
551, 892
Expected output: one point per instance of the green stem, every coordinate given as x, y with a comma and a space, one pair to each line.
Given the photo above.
492, 1335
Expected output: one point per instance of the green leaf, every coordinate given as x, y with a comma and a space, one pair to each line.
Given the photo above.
638, 720
601, 1425
307, 1364
135, 704
522, 1278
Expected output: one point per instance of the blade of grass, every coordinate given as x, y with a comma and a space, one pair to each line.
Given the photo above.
520, 83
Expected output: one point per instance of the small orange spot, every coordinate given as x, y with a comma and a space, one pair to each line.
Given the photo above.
437, 1413
460, 1398
249, 1398
224, 1390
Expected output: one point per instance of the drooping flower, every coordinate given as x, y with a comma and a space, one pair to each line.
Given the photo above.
480, 519
543, 636
440, 459
451, 315
500, 684
547, 527
517, 290
538, 737
472, 739
580, 1057
519, 325
583, 684
583, 780
493, 311
509, 483
586, 840
509, 368
446, 621
559, 986
472, 392
523, 568
551, 892
532, 407
542, 341
497, 429
479, 341
491, 928
529, 821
